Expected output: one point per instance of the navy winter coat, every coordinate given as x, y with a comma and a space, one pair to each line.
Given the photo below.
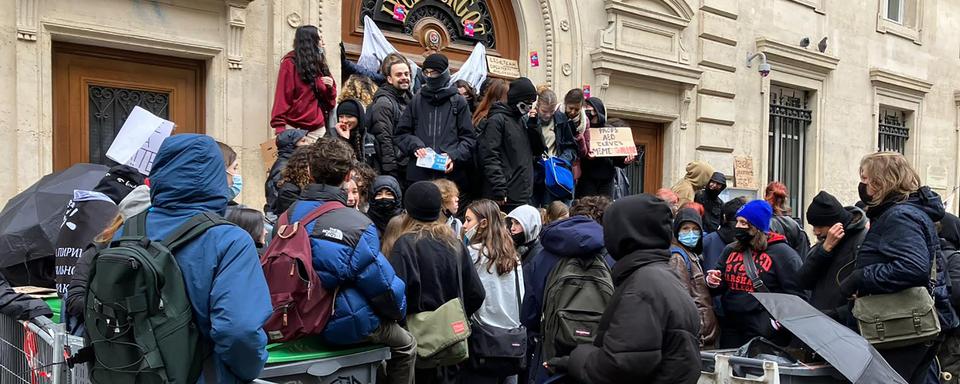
346, 256
225, 283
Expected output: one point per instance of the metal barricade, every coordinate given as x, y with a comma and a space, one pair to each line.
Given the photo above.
31, 352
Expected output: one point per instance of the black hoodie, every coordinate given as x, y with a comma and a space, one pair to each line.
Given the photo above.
599, 168
286, 144
712, 205
381, 211
650, 331
438, 119
506, 156
822, 271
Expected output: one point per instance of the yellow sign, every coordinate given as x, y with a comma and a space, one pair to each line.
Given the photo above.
611, 142
469, 11
503, 67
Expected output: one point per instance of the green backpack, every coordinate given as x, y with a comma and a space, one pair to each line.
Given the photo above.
138, 316
576, 295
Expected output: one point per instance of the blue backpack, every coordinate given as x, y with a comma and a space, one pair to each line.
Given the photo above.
559, 177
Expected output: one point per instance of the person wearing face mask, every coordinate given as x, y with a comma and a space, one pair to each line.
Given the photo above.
234, 179
685, 261
505, 151
386, 204
598, 173
698, 177
306, 91
451, 204
498, 265
550, 139
775, 264
840, 231
709, 197
437, 118
384, 114
525, 223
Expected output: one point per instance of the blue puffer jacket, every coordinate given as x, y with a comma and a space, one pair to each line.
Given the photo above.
346, 255
225, 284
898, 251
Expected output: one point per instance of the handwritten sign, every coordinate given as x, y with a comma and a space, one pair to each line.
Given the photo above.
743, 172
503, 67
611, 142
139, 140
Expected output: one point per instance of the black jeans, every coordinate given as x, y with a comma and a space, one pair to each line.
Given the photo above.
913, 361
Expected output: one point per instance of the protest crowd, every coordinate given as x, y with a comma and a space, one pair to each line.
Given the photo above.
476, 234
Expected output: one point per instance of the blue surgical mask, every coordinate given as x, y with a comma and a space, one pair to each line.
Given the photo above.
689, 238
236, 187
469, 235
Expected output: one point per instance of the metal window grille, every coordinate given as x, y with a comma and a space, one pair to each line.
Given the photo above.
635, 171
893, 131
109, 108
789, 118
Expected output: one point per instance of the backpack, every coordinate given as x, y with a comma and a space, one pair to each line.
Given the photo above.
138, 316
576, 295
301, 306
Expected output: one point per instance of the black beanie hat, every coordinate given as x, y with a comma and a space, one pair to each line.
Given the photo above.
521, 89
119, 182
349, 107
436, 62
423, 201
826, 210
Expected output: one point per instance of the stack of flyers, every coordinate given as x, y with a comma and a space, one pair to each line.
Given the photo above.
433, 161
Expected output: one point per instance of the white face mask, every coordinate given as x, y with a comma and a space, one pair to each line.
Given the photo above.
470, 234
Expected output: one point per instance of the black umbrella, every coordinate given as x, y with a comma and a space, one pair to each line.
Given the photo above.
844, 349
30, 222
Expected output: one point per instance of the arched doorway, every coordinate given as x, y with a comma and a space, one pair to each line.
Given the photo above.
442, 24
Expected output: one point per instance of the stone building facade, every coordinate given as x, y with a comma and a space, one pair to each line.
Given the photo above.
847, 77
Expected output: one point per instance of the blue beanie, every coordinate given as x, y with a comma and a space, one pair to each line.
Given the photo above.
758, 213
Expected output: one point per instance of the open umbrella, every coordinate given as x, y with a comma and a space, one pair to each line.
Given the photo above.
31, 220
844, 349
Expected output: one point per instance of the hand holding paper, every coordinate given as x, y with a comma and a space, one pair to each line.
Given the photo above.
139, 140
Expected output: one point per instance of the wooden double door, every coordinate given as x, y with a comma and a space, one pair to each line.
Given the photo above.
646, 174
95, 89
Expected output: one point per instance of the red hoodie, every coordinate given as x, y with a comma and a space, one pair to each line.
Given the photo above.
295, 104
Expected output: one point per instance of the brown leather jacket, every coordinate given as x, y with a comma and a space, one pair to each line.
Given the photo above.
695, 281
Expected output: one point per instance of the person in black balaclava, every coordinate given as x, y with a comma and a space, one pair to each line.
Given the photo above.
437, 118
386, 202
709, 197
598, 173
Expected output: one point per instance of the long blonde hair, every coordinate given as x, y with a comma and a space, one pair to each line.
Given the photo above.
391, 234
890, 175
436, 230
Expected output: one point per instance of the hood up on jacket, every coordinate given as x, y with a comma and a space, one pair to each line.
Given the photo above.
188, 173
699, 174
386, 182
950, 230
578, 236
688, 215
287, 142
135, 203
636, 230
501, 108
929, 202
858, 221
719, 178
598, 106
530, 219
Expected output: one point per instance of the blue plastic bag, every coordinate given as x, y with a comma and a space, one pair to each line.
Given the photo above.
559, 177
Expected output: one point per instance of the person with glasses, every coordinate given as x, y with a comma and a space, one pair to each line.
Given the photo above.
438, 119
505, 152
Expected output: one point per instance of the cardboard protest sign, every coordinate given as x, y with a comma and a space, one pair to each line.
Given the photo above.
611, 142
139, 140
268, 153
743, 172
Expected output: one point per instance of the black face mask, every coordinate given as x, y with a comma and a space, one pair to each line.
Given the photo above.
519, 239
864, 196
385, 205
712, 192
439, 82
743, 235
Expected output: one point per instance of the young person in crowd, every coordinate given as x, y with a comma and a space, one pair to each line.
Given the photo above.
252, 221
293, 179
598, 173
451, 204
234, 179
697, 177
287, 142
525, 224
383, 114
709, 197
387, 202
550, 139
685, 260
505, 148
466, 90
775, 264
306, 91
350, 127
777, 195
556, 211
425, 257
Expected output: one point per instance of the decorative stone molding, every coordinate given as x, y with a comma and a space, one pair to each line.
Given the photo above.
814, 63
635, 29
894, 81
910, 32
816, 5
294, 20
548, 39
680, 19
609, 61
27, 20
956, 98
685, 98
236, 21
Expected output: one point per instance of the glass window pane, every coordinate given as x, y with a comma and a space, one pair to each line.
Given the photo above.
893, 10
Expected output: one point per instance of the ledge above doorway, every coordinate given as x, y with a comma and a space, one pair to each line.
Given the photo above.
609, 61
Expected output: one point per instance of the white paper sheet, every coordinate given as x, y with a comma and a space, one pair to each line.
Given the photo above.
139, 140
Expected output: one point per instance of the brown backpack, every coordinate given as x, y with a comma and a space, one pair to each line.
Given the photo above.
301, 306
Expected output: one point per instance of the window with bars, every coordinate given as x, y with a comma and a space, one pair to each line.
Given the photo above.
108, 110
790, 116
893, 131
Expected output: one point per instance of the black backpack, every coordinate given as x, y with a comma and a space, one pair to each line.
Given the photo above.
138, 316
576, 295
